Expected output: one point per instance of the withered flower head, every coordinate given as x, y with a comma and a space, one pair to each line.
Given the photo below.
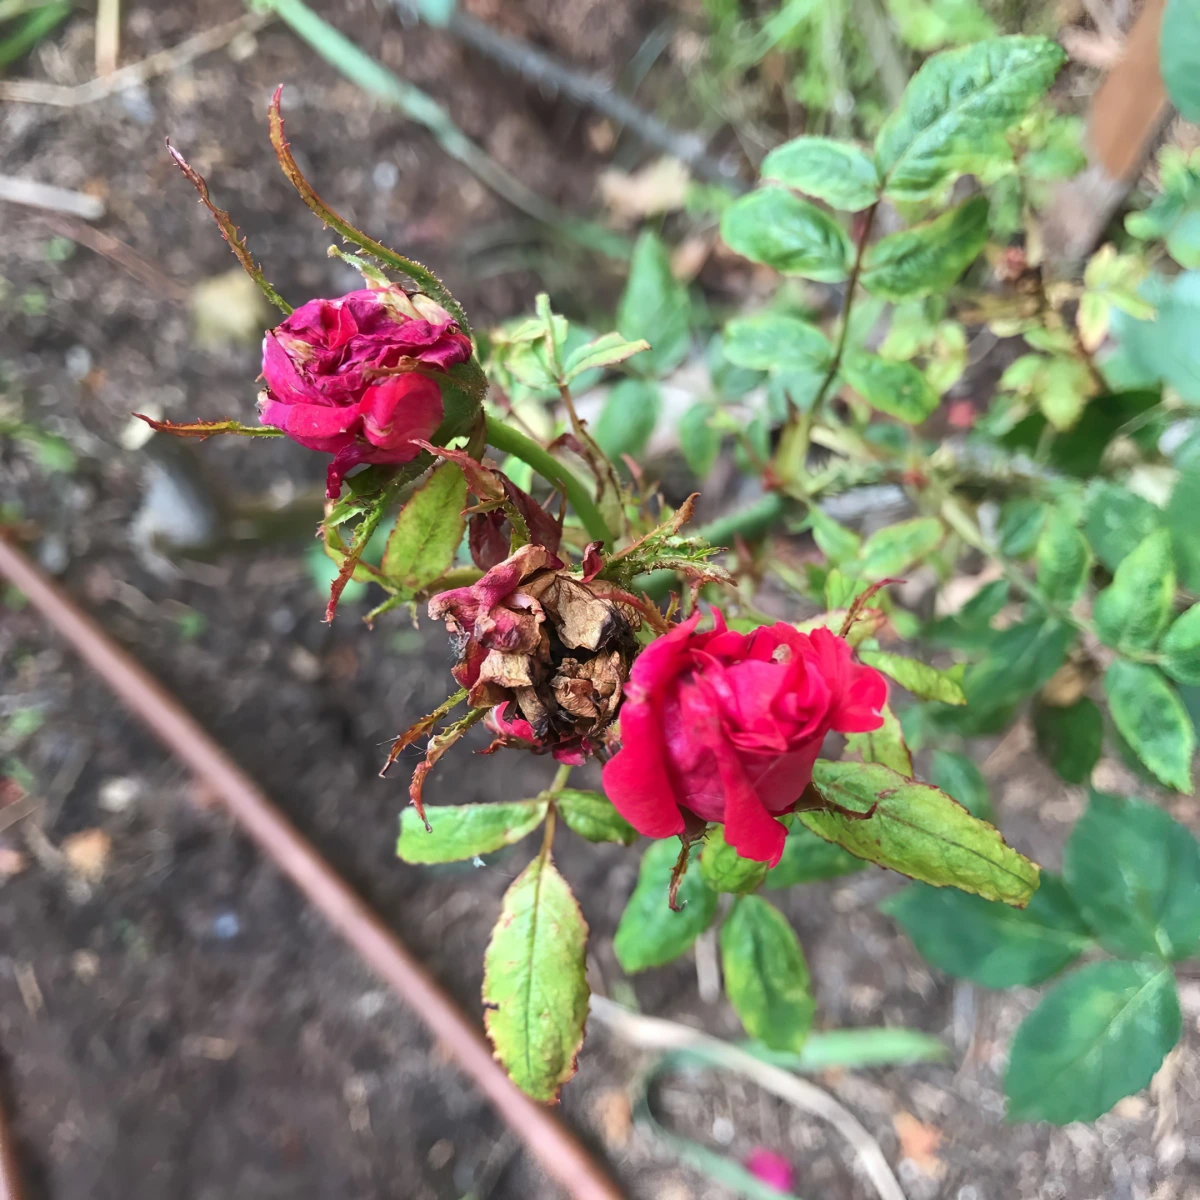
555, 645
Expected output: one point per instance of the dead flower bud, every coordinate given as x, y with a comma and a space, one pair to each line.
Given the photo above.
551, 645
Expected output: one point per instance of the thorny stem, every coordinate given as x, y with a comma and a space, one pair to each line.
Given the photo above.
511, 441
847, 303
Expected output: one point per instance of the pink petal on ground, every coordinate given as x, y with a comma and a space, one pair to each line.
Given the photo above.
773, 1169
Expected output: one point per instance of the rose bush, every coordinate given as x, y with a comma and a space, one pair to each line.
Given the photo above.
325, 389
725, 726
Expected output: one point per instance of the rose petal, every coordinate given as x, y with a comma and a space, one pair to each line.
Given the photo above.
749, 828
400, 408
635, 779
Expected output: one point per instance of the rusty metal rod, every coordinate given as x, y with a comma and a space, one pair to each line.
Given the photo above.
561, 1154
10, 1176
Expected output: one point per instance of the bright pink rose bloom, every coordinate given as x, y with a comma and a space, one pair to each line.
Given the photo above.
727, 726
773, 1169
322, 390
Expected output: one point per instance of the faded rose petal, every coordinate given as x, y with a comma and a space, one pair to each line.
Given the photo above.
327, 356
773, 1169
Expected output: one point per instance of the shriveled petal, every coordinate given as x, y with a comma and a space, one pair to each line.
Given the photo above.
465, 608
635, 778
285, 381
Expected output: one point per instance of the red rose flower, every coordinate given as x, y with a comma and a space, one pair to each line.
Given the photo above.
322, 387
727, 726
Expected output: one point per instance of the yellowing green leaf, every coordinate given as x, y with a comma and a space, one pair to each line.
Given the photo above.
466, 830
894, 548
920, 678
774, 341
1064, 561
535, 992
593, 816
766, 976
422, 545
1152, 719
1135, 874
896, 388
1096, 1037
774, 227
808, 858
604, 351
724, 868
1181, 647
837, 172
929, 257
883, 745
918, 831
1134, 609
956, 109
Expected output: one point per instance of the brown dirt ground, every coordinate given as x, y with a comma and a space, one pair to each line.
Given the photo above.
179, 1024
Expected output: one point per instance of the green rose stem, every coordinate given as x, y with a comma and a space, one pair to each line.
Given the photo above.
511, 441
847, 304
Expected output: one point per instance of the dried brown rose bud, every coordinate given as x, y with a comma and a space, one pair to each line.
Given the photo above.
555, 645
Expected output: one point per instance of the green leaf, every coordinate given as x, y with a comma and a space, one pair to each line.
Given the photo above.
649, 933
628, 418
1020, 659
929, 257
1064, 560
1071, 738
1135, 875
466, 830
593, 816
961, 780
970, 628
773, 341
956, 109
766, 977
1185, 528
1116, 521
725, 869
993, 944
535, 992
833, 539
699, 439
422, 545
795, 237
809, 859
654, 306
1151, 718
1021, 523
1179, 56
1180, 647
1166, 347
917, 677
918, 831
883, 745
837, 172
1134, 609
1096, 1037
604, 351
896, 388
894, 548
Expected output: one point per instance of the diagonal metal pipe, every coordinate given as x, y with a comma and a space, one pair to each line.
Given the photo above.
559, 1151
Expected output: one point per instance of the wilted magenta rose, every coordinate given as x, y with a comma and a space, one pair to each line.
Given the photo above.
323, 389
727, 726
